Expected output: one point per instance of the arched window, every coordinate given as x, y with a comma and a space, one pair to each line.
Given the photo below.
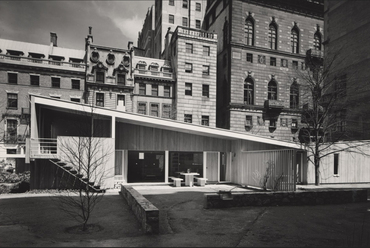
295, 39
317, 41
249, 31
248, 91
273, 36
272, 90
294, 96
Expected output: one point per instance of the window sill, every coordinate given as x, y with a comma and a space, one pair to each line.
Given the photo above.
336, 175
12, 108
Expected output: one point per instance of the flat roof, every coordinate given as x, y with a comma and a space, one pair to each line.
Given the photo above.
156, 122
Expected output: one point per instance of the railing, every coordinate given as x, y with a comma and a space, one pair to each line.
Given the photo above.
13, 138
153, 73
43, 148
196, 33
276, 104
42, 61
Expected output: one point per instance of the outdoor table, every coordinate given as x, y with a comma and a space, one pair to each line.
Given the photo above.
189, 177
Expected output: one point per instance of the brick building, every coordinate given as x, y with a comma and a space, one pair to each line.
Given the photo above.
192, 54
168, 14
345, 44
27, 68
261, 47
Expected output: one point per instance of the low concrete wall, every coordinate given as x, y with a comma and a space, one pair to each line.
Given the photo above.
244, 199
144, 210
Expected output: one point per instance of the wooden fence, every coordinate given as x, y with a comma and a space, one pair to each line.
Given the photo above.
272, 169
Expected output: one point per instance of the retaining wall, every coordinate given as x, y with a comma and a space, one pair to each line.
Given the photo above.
146, 213
244, 199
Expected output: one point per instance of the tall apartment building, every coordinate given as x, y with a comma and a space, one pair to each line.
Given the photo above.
192, 54
28, 68
169, 14
261, 47
346, 32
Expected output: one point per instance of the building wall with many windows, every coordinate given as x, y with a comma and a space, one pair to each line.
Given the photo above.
28, 68
261, 51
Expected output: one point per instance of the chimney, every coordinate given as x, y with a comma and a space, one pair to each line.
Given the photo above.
53, 38
130, 45
89, 36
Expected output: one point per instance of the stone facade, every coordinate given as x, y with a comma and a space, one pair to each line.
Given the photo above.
241, 60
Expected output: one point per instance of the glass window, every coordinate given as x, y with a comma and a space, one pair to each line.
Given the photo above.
295, 40
295, 64
188, 118
205, 69
189, 48
336, 164
294, 96
206, 50
35, 80
154, 90
166, 111
317, 41
12, 78
294, 124
198, 24
100, 99
198, 7
121, 78
248, 91
154, 110
141, 108
167, 91
205, 90
75, 84
249, 32
188, 89
249, 57
248, 123
100, 76
205, 120
73, 99
272, 36
171, 2
171, 19
272, 61
185, 21
12, 101
55, 82
188, 67
272, 90
185, 4
142, 90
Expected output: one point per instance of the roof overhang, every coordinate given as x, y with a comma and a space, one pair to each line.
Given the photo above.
155, 122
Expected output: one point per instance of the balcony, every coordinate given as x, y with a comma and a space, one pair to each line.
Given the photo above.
274, 104
47, 63
189, 32
12, 138
154, 74
43, 148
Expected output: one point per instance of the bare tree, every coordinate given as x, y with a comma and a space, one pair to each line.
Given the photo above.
87, 154
326, 94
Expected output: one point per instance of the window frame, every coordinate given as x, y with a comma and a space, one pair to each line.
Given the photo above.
32, 80
55, 82
272, 61
249, 57
205, 120
294, 96
249, 31
101, 77
12, 103
188, 89
166, 89
198, 24
120, 76
317, 41
248, 97
184, 21
152, 110
295, 40
206, 50
141, 104
205, 70
336, 164
99, 99
188, 117
205, 90
187, 69
142, 87
74, 84
154, 89
272, 92
188, 47
171, 19
198, 7
12, 80
185, 4
164, 111
272, 36
171, 2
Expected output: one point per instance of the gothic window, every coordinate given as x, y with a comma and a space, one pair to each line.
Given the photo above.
273, 36
248, 91
295, 39
317, 41
272, 90
249, 31
294, 95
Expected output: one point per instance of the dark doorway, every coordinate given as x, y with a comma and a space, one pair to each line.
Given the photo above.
145, 166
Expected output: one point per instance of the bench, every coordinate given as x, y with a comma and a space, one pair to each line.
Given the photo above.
201, 181
176, 181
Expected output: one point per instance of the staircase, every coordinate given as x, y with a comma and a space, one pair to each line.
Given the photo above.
70, 179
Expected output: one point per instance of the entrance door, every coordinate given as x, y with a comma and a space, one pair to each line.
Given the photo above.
212, 166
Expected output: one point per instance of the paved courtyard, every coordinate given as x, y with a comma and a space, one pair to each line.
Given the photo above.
35, 220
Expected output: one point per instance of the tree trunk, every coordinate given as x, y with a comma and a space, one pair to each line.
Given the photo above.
317, 170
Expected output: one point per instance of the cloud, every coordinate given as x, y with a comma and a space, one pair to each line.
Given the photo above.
129, 26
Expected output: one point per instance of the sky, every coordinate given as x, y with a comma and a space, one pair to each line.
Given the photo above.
113, 23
